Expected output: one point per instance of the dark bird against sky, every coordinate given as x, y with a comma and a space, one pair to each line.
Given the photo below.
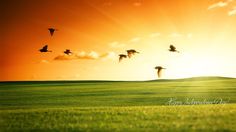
45, 49
159, 69
68, 52
131, 52
121, 57
52, 30
173, 49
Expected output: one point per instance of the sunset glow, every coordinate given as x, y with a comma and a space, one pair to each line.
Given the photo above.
97, 31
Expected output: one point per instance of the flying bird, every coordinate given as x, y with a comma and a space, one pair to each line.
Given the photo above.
121, 57
52, 30
159, 69
45, 49
68, 52
131, 52
173, 49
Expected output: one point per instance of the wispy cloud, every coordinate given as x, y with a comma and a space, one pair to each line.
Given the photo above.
232, 12
83, 55
116, 44
175, 35
226, 3
44, 61
178, 35
136, 39
153, 35
219, 4
110, 55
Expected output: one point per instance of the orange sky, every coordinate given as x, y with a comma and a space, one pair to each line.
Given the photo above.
203, 30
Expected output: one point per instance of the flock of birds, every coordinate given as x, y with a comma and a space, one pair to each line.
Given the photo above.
129, 54
45, 48
132, 52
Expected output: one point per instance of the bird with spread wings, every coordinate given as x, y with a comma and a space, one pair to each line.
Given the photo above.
131, 52
45, 49
159, 70
52, 30
67, 52
173, 49
121, 57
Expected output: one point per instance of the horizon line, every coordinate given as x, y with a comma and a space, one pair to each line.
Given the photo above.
84, 80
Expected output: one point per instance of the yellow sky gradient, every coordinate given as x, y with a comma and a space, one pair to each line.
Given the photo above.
202, 30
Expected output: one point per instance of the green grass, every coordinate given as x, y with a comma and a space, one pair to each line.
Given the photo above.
135, 118
118, 106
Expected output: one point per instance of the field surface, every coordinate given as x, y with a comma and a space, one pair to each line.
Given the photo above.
193, 104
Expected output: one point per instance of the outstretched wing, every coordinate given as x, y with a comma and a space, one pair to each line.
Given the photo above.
67, 52
45, 47
121, 57
133, 51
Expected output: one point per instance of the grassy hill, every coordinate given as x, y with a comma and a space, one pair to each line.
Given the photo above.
119, 105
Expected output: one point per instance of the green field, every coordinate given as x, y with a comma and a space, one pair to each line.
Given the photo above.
194, 104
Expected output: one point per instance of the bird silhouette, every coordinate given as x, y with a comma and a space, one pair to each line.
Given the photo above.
159, 69
121, 57
45, 49
173, 49
68, 52
52, 30
131, 52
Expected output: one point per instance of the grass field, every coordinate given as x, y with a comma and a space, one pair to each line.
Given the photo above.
194, 104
